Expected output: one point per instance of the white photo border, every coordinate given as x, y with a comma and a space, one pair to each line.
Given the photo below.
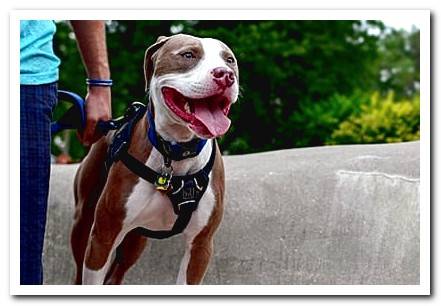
421, 18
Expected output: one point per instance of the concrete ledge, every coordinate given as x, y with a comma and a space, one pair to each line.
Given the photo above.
325, 215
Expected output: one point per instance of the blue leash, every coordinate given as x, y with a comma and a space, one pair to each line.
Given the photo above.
75, 117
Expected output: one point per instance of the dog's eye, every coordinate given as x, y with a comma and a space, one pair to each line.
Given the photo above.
230, 60
188, 54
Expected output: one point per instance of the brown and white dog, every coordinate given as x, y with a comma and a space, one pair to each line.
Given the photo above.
192, 83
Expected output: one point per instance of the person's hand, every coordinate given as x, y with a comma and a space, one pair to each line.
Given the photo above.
98, 107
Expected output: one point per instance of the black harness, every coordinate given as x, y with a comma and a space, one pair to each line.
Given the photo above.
184, 192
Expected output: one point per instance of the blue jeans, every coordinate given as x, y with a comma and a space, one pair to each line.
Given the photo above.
36, 104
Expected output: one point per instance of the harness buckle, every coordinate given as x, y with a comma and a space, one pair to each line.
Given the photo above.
162, 183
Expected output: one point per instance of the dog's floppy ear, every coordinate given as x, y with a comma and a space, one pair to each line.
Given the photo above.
148, 61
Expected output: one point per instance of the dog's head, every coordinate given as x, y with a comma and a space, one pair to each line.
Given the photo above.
192, 83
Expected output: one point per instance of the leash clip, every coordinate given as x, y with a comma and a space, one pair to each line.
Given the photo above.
162, 183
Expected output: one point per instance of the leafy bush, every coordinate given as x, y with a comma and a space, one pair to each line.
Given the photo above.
381, 120
315, 121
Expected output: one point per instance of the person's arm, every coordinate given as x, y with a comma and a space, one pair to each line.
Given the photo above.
91, 40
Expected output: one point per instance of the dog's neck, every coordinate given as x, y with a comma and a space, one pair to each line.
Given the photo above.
174, 149
182, 167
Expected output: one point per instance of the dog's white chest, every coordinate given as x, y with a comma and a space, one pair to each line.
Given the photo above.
149, 208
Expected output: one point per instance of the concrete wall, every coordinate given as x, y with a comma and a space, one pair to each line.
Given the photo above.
326, 215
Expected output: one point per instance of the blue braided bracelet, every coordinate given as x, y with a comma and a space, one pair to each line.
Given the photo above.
96, 82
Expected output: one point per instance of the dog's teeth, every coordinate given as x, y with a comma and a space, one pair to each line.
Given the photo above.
187, 107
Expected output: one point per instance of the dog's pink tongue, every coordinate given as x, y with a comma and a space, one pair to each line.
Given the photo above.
213, 118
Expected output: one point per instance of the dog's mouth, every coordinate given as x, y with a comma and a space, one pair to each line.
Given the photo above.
207, 116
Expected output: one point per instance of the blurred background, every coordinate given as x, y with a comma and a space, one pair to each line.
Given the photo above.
303, 83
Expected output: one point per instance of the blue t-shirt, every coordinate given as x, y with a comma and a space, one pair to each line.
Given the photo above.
38, 63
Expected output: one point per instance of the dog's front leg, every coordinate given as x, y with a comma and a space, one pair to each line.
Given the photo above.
95, 277
104, 239
199, 238
182, 275
194, 264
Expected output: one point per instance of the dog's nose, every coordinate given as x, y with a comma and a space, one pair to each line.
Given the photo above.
223, 77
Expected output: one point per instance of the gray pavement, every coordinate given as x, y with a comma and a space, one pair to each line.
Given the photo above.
325, 215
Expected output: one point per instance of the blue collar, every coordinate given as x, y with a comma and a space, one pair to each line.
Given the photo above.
172, 150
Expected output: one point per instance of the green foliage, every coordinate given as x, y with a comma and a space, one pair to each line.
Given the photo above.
382, 120
398, 63
315, 121
299, 79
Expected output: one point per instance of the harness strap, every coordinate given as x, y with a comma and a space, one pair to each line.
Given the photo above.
185, 193
138, 167
150, 175
179, 226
